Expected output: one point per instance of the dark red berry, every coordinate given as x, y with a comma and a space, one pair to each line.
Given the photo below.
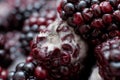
97, 23
96, 10
40, 72
107, 18
78, 19
116, 15
106, 7
87, 14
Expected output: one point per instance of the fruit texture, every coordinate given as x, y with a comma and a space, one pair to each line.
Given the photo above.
94, 20
59, 50
108, 58
33, 24
14, 12
24, 8
28, 71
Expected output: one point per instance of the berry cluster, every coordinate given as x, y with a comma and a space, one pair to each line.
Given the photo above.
95, 20
28, 71
24, 9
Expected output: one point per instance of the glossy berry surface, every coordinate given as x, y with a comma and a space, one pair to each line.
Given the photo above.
64, 59
108, 58
28, 71
95, 20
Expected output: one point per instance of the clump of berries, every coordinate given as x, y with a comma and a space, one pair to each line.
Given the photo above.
28, 71
23, 10
59, 50
95, 20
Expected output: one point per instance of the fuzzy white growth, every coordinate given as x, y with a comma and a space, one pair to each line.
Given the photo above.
54, 39
95, 74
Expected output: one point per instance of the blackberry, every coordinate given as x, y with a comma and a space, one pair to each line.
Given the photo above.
95, 20
59, 50
28, 71
107, 55
33, 24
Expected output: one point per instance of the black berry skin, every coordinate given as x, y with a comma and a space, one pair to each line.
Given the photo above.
29, 71
95, 20
19, 67
29, 68
20, 75
108, 58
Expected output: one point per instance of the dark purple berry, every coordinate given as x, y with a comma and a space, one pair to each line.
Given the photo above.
19, 67
81, 5
69, 8
20, 75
